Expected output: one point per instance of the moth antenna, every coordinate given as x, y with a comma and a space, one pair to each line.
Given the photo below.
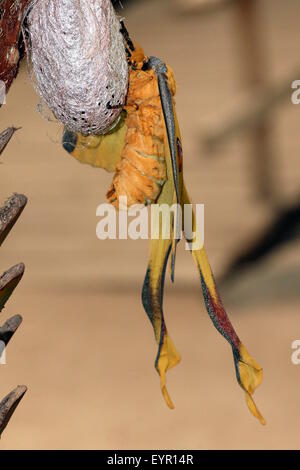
126, 36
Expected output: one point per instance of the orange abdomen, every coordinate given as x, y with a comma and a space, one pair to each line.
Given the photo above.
142, 171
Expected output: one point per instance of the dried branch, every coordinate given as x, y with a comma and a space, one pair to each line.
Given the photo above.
10, 213
9, 404
9, 281
11, 51
9, 328
5, 137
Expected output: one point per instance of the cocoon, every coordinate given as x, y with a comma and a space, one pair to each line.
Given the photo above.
78, 61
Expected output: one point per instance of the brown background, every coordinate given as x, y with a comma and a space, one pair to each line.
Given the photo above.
86, 348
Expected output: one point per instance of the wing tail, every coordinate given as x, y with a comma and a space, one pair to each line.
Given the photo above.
152, 296
248, 372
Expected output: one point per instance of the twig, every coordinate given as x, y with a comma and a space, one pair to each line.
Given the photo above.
9, 328
9, 404
5, 137
10, 213
9, 281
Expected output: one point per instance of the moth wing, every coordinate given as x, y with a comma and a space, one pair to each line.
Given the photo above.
172, 193
248, 372
100, 151
162, 248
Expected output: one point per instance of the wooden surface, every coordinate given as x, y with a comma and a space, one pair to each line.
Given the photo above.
86, 349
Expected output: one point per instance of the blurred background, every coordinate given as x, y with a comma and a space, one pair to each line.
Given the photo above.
86, 349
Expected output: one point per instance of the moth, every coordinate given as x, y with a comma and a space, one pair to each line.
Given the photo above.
144, 150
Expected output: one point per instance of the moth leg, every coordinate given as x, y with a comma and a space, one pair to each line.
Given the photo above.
248, 372
152, 296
